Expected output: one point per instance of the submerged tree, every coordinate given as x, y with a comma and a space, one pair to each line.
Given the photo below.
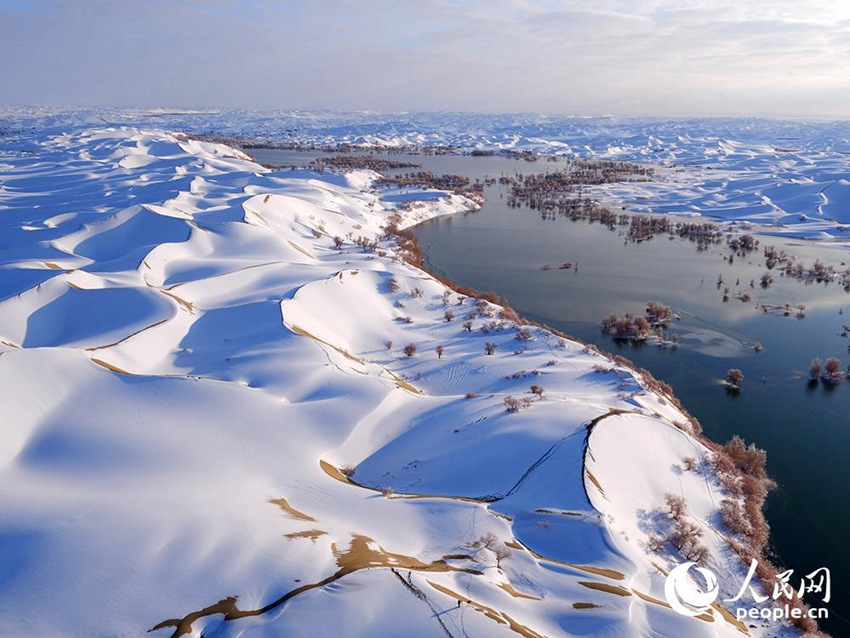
734, 377
814, 369
657, 312
832, 371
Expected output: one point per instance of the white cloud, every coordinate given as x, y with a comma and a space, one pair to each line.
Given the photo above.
613, 56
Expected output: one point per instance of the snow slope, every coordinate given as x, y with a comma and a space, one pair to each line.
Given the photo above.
206, 429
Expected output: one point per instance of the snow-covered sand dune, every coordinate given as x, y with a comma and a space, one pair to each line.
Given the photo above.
210, 426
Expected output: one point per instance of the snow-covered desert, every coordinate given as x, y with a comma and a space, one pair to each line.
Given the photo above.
230, 408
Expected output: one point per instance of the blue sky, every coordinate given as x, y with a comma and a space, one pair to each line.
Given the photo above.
647, 57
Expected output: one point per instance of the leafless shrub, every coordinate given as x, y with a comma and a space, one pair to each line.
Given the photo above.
367, 244
492, 326
483, 308
467, 325
388, 492
393, 285
448, 315
389, 345
537, 391
690, 464
490, 347
509, 314
347, 470
410, 349
747, 458
734, 517
439, 350
470, 395
416, 293
338, 242
513, 404
524, 334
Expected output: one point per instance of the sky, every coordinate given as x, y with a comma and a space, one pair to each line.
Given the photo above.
781, 58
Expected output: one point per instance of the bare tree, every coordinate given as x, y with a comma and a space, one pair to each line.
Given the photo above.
439, 350
676, 507
490, 347
690, 464
685, 533
655, 543
338, 242
501, 553
490, 542
448, 315
410, 349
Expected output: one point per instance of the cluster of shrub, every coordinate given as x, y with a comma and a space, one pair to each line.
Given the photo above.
360, 162
683, 533
427, 179
818, 272
830, 371
635, 328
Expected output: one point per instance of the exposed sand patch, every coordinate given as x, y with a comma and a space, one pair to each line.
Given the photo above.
283, 504
605, 587
517, 594
362, 553
312, 534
